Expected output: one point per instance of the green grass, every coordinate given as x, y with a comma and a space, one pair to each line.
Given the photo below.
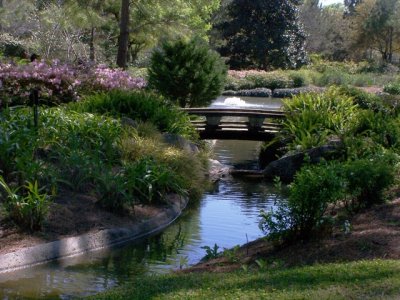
376, 279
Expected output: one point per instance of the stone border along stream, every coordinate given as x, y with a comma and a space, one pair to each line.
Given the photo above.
104, 239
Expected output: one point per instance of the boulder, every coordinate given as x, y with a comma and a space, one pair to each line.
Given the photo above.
217, 170
128, 122
271, 152
180, 142
286, 167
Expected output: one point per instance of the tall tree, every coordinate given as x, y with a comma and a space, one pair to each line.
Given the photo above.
123, 39
263, 34
89, 15
327, 29
152, 20
89, 29
1, 7
376, 25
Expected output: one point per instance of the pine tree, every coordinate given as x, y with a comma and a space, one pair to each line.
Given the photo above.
187, 72
263, 34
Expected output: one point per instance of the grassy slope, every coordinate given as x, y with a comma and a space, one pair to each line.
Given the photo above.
375, 279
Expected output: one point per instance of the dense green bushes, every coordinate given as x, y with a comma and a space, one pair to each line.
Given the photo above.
140, 106
341, 112
187, 72
91, 153
364, 99
392, 88
28, 207
319, 73
354, 184
368, 130
239, 80
311, 118
314, 188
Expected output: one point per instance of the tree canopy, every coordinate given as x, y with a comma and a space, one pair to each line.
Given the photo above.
87, 30
376, 26
263, 34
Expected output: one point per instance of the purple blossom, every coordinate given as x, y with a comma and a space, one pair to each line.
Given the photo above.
62, 80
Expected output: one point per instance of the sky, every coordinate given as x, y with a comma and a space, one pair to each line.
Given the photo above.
327, 2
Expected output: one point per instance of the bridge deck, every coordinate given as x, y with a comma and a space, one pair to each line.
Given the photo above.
235, 112
213, 127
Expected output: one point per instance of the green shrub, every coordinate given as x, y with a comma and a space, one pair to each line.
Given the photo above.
79, 144
11, 46
270, 80
188, 73
367, 179
27, 206
359, 147
333, 77
311, 118
112, 191
364, 99
251, 79
363, 79
299, 79
234, 84
304, 213
86, 152
66, 147
392, 88
18, 141
152, 181
359, 183
140, 106
187, 166
383, 129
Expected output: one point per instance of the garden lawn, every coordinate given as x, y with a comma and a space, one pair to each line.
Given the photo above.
374, 279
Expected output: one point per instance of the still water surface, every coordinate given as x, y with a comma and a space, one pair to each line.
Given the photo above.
227, 215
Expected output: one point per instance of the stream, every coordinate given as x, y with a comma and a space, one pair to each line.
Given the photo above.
227, 215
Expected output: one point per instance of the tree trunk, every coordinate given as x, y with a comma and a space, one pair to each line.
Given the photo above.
92, 53
123, 35
390, 44
1, 6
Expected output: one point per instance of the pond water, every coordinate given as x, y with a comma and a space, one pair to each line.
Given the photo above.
227, 215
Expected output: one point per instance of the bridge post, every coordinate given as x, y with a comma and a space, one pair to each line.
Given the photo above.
212, 122
255, 123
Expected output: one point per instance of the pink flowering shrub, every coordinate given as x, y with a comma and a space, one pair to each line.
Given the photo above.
55, 81
110, 79
59, 83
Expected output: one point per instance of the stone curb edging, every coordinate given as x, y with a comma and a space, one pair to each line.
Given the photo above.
73, 246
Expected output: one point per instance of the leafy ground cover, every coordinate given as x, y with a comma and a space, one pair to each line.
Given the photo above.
92, 163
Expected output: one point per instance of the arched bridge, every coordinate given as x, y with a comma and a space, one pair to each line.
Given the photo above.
254, 124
